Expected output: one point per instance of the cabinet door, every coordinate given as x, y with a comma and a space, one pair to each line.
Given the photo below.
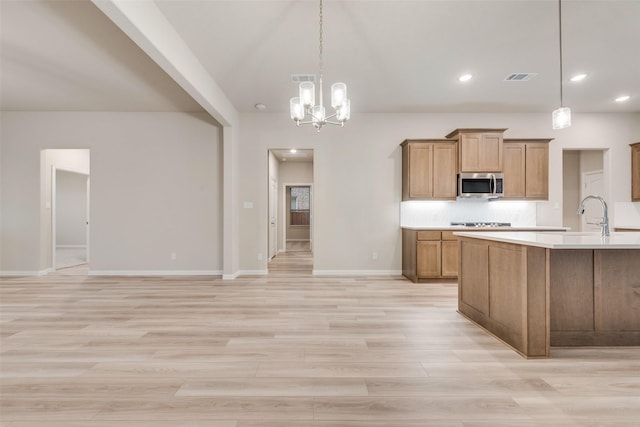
635, 172
428, 259
491, 153
420, 171
514, 170
444, 170
470, 152
537, 171
481, 152
450, 258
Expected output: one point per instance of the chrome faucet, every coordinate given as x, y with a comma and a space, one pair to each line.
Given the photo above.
605, 213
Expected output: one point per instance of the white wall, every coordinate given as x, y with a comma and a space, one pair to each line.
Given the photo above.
155, 189
71, 209
357, 176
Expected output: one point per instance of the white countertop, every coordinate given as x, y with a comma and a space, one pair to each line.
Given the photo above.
567, 240
514, 228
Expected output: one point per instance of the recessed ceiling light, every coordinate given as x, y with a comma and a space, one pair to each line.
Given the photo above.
623, 98
293, 151
465, 77
578, 77
260, 106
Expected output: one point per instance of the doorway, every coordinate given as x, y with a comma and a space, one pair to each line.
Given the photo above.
70, 223
290, 211
66, 202
584, 173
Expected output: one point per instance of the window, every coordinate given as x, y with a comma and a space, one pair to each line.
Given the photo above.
299, 205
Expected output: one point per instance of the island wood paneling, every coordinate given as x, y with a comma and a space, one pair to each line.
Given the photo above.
571, 273
617, 290
473, 281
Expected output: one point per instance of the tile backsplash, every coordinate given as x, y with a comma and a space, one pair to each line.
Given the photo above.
442, 213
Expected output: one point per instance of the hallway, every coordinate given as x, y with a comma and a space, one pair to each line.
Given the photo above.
297, 259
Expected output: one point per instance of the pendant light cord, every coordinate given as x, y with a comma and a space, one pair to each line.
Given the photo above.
560, 29
321, 36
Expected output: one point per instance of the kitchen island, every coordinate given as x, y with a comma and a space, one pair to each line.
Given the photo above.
534, 290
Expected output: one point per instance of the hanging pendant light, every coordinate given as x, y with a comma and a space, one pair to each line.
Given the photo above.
303, 106
561, 117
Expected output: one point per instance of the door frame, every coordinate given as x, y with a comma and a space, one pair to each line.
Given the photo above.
284, 212
54, 171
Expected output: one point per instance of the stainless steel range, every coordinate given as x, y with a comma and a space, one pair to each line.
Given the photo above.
481, 224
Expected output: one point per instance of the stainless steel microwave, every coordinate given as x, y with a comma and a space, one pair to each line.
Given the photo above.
481, 185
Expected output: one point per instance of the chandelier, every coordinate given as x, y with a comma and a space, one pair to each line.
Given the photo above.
561, 117
303, 106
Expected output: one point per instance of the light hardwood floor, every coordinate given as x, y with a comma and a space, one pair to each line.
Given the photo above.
298, 259
288, 351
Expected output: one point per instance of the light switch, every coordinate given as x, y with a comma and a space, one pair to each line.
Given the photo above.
248, 205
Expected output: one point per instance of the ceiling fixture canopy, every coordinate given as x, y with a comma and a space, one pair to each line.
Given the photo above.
304, 105
561, 117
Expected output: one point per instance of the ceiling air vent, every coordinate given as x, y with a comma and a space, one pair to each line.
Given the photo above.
520, 77
299, 78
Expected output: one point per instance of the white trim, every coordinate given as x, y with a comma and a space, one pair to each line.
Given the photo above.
155, 273
230, 276
357, 272
71, 246
25, 273
298, 240
252, 273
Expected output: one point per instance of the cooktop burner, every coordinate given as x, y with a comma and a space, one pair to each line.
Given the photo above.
481, 224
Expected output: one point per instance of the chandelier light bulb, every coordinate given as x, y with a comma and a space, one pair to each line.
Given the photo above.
307, 94
296, 108
338, 94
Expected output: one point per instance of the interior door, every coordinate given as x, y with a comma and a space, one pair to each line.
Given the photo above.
592, 184
273, 222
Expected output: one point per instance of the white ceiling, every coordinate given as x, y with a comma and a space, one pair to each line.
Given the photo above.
394, 55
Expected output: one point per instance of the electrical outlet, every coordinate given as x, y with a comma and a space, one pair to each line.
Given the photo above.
173, 256
374, 255
259, 257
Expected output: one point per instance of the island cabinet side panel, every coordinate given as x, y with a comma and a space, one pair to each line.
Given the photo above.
617, 297
503, 287
473, 280
507, 291
538, 336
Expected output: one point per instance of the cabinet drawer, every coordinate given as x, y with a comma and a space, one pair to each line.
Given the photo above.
448, 235
428, 235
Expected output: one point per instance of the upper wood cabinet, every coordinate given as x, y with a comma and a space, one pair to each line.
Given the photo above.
479, 150
428, 169
526, 168
635, 172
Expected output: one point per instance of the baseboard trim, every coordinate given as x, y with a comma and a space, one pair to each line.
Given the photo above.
71, 246
155, 273
22, 273
357, 272
252, 273
230, 276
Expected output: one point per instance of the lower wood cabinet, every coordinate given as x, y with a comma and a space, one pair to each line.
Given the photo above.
429, 254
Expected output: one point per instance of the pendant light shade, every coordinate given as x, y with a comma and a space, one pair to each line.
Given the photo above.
561, 118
